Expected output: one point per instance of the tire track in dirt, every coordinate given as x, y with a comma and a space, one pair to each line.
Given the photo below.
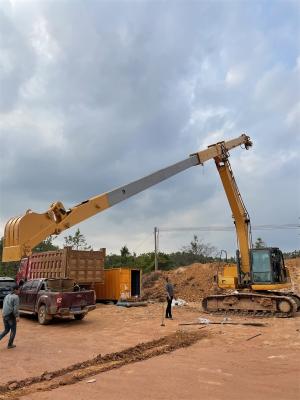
77, 372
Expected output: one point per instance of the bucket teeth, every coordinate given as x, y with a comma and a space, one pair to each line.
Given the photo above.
11, 233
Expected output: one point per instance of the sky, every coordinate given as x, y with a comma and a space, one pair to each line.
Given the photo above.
94, 95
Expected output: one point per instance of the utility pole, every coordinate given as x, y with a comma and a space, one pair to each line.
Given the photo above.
156, 233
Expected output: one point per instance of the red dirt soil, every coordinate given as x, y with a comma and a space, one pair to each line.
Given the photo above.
224, 365
191, 283
229, 362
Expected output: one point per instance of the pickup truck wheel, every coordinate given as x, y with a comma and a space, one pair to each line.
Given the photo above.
43, 317
79, 317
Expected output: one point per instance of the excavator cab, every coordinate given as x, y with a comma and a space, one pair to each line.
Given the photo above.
267, 267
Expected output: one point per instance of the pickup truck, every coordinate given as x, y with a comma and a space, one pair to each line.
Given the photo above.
48, 298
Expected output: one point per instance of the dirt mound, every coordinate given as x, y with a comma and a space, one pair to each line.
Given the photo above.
293, 265
191, 283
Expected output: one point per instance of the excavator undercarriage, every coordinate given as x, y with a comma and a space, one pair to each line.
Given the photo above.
272, 304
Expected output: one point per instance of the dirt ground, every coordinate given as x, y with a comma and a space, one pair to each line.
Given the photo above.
125, 353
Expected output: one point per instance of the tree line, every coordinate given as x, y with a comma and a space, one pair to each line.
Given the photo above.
195, 251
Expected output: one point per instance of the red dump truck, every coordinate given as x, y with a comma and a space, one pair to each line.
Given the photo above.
85, 267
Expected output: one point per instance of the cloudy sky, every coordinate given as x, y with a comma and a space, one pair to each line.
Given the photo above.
96, 94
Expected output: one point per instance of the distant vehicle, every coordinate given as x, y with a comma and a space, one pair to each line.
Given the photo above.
6, 284
48, 298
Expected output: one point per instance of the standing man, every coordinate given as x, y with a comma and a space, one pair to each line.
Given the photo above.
170, 295
10, 314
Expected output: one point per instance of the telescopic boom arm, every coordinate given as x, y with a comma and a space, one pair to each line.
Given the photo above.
23, 233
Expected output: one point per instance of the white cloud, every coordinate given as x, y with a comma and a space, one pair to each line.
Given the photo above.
97, 94
293, 117
235, 76
43, 43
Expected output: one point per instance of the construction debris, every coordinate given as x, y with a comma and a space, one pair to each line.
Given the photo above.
178, 302
122, 303
252, 337
225, 323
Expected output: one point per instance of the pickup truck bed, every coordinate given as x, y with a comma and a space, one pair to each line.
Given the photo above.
48, 298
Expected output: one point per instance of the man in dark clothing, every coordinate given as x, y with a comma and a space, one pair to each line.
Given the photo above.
10, 314
170, 295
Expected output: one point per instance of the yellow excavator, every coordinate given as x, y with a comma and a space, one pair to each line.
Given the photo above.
258, 275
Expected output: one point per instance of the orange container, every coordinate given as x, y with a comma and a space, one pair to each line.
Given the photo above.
119, 283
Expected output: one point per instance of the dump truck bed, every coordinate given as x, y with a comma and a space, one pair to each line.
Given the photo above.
84, 267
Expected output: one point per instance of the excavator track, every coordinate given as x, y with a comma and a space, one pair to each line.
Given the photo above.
292, 295
261, 305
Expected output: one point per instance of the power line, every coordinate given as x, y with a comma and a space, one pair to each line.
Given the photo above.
229, 228
142, 242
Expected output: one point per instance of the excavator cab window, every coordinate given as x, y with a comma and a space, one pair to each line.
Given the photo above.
268, 266
261, 266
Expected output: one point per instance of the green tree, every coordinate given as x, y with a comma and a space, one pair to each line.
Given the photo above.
259, 243
164, 262
7, 268
145, 262
77, 242
125, 253
46, 245
199, 249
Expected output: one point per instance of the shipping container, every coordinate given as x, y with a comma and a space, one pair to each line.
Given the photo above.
119, 283
84, 267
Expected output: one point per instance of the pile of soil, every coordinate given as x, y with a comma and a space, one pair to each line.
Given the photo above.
191, 283
293, 265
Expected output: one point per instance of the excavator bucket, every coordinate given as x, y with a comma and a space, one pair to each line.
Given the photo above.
11, 250
21, 234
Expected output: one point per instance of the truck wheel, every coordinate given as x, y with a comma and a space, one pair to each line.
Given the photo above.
43, 317
79, 317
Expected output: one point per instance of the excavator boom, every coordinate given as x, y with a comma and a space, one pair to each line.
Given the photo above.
23, 233
240, 216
